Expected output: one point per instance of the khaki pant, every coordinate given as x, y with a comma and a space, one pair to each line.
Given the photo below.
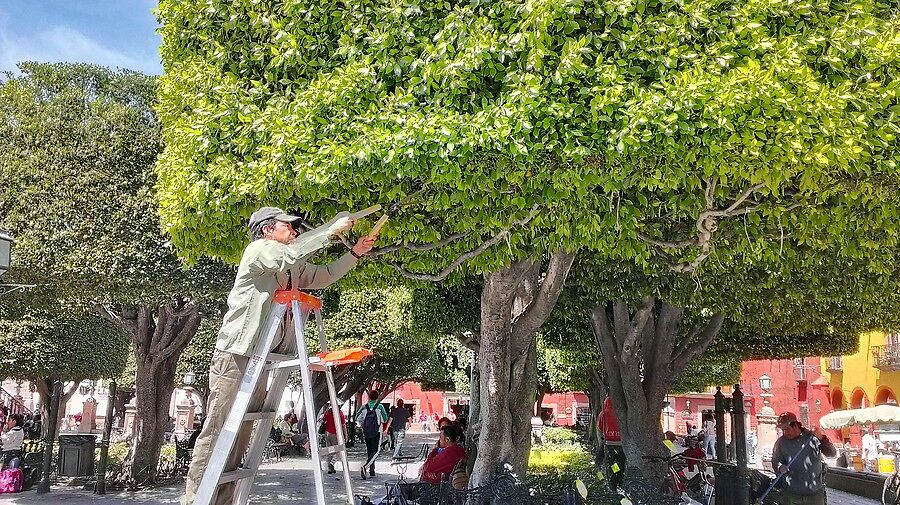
225, 373
331, 439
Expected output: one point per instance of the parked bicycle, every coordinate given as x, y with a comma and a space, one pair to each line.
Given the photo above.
890, 494
700, 487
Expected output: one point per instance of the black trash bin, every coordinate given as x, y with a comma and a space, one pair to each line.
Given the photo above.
76, 455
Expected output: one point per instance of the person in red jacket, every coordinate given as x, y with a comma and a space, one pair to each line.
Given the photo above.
613, 462
440, 462
443, 458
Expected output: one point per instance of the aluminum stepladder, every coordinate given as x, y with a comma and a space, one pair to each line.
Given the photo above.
260, 363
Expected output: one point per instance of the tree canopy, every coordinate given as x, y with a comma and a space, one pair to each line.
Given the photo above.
79, 144
61, 345
637, 128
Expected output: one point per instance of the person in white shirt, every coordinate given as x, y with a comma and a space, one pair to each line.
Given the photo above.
870, 450
11, 440
709, 442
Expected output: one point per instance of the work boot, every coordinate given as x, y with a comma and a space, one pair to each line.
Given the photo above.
331, 468
362, 472
372, 471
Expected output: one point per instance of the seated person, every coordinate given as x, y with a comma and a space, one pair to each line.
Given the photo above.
11, 440
290, 432
443, 458
440, 462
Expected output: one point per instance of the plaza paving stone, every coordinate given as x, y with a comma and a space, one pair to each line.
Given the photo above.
287, 481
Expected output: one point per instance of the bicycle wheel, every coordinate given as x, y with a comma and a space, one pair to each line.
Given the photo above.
890, 495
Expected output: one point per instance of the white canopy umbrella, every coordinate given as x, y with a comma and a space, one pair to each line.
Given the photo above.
880, 414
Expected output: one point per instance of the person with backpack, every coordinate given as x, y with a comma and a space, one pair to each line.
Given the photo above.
372, 418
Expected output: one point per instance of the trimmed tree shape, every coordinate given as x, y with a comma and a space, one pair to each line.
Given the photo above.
714, 320
79, 143
503, 137
65, 345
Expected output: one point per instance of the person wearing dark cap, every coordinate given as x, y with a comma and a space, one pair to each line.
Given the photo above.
275, 259
797, 457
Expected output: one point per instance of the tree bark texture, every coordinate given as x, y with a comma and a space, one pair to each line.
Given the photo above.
159, 334
515, 302
597, 393
643, 353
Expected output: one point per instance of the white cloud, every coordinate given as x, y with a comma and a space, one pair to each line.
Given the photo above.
63, 44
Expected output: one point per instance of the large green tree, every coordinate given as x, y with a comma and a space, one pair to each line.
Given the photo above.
45, 346
504, 136
78, 193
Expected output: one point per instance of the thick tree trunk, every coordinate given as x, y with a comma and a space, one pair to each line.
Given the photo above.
160, 334
643, 354
153, 386
596, 394
474, 425
44, 386
514, 305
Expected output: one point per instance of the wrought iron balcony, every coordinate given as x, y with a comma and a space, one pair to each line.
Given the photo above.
886, 357
836, 364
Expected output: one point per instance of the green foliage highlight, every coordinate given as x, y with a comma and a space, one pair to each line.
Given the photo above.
564, 460
78, 195
61, 345
392, 322
610, 117
559, 436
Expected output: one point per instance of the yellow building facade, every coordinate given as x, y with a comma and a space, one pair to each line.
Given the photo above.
869, 377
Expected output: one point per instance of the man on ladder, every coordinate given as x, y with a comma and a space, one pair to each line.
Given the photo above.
275, 258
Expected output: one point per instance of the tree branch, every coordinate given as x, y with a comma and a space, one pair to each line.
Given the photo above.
689, 354
527, 324
114, 318
470, 340
380, 251
605, 339
630, 348
465, 256
706, 224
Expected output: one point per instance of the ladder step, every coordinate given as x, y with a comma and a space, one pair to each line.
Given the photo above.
260, 416
236, 475
280, 357
291, 363
296, 363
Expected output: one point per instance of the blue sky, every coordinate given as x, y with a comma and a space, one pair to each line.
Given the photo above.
115, 33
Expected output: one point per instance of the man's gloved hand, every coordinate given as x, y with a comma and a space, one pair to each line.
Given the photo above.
341, 225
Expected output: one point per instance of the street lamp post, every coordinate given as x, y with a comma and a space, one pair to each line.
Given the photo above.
6, 243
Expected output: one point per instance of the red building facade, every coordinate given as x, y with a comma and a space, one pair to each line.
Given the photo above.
563, 409
793, 385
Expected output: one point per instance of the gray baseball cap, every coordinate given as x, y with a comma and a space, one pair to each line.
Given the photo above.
266, 213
